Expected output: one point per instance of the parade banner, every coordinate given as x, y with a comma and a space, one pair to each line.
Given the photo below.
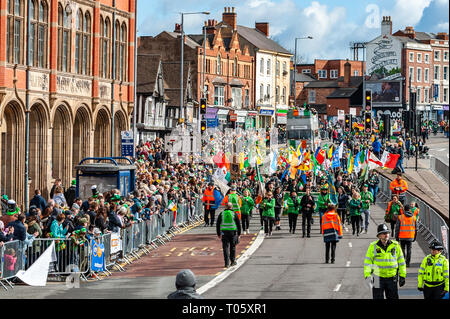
98, 256
116, 243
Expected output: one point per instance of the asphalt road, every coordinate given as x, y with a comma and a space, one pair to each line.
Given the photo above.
439, 147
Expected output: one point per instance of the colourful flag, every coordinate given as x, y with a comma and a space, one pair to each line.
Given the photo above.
350, 163
374, 162
391, 160
336, 162
332, 189
273, 164
330, 152
241, 161
321, 156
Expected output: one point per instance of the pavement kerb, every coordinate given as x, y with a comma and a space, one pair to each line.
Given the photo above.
424, 198
239, 262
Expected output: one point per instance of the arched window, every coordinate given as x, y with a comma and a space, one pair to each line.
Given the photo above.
78, 41
278, 68
123, 52
105, 30
261, 66
14, 31
218, 71
64, 38
86, 65
117, 50
268, 67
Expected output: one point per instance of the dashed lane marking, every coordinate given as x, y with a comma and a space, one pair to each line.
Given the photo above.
338, 286
205, 248
350, 245
348, 263
180, 254
173, 249
192, 249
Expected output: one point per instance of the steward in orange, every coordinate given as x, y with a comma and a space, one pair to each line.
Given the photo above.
235, 200
406, 231
209, 202
331, 231
399, 187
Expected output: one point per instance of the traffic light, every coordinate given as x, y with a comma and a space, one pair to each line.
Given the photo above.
408, 120
348, 123
368, 122
202, 106
203, 126
368, 101
386, 125
412, 101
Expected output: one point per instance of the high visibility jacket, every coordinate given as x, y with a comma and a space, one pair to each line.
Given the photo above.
433, 272
331, 226
228, 222
415, 211
235, 200
208, 197
406, 227
402, 184
384, 263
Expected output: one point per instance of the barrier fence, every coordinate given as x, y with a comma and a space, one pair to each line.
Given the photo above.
119, 247
439, 167
431, 225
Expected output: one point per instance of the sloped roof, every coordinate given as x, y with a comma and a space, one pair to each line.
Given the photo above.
304, 77
259, 40
188, 41
147, 70
342, 93
322, 84
171, 75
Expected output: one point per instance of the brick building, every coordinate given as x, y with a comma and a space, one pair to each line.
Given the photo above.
77, 94
325, 70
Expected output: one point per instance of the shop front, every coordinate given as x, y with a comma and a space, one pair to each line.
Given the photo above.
222, 116
250, 120
211, 118
265, 117
241, 118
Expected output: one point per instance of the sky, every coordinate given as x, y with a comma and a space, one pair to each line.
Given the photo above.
333, 24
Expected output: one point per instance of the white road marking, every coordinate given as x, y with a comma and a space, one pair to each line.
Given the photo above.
350, 245
338, 286
442, 149
348, 263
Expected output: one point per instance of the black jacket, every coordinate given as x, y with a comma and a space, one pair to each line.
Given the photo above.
342, 201
304, 202
20, 232
185, 293
114, 224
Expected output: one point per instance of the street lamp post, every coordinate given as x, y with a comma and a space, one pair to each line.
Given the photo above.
295, 69
182, 61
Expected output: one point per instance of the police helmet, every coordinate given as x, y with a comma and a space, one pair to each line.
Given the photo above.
435, 245
382, 229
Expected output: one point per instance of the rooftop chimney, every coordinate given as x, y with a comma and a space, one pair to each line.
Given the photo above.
177, 28
211, 26
386, 26
347, 73
230, 17
442, 36
263, 27
409, 32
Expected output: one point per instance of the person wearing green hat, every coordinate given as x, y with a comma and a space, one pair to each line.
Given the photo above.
366, 200
4, 201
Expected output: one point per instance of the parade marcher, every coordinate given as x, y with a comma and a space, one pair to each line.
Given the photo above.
354, 211
373, 184
366, 199
234, 199
399, 187
415, 209
268, 213
247, 206
384, 265
185, 283
307, 206
406, 232
433, 273
394, 209
278, 195
342, 204
322, 202
292, 205
209, 202
331, 231
228, 228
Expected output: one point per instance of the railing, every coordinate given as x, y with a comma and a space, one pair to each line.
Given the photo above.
439, 167
118, 247
431, 225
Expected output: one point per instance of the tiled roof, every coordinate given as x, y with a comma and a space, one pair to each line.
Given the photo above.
259, 40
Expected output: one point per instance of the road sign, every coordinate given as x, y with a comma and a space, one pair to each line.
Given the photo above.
127, 143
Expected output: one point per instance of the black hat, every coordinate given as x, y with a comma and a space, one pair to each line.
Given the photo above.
436, 245
382, 229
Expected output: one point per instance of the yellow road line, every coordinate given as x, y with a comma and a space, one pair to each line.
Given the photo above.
192, 249
205, 248
173, 249
218, 273
185, 249
180, 254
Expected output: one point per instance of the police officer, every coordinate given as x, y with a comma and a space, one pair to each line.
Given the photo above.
433, 273
228, 228
383, 264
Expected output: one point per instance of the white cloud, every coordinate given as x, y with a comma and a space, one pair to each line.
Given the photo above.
442, 27
408, 12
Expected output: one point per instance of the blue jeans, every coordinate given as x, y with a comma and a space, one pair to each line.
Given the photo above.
374, 191
400, 165
366, 214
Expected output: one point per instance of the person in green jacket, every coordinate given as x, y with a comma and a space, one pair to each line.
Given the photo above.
366, 199
292, 204
322, 202
247, 206
268, 213
354, 210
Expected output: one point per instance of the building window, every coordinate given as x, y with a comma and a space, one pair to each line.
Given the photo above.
268, 67
445, 95
283, 96
445, 73
218, 66
236, 95
445, 56
261, 67
436, 72
427, 58
277, 94
261, 92
64, 38
426, 93
14, 30
419, 74
120, 54
311, 96
322, 74
278, 68
38, 34
418, 91
419, 57
306, 71
268, 93
284, 69
426, 75
123, 53
219, 97
236, 68
247, 98
411, 73
411, 56
437, 55
105, 47
333, 74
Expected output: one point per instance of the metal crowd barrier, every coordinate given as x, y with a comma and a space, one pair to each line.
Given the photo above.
439, 167
70, 258
431, 225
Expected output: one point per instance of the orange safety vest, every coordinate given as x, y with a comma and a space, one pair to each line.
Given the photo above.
415, 211
407, 227
208, 197
331, 220
402, 184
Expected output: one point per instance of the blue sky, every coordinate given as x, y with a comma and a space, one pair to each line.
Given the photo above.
332, 23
